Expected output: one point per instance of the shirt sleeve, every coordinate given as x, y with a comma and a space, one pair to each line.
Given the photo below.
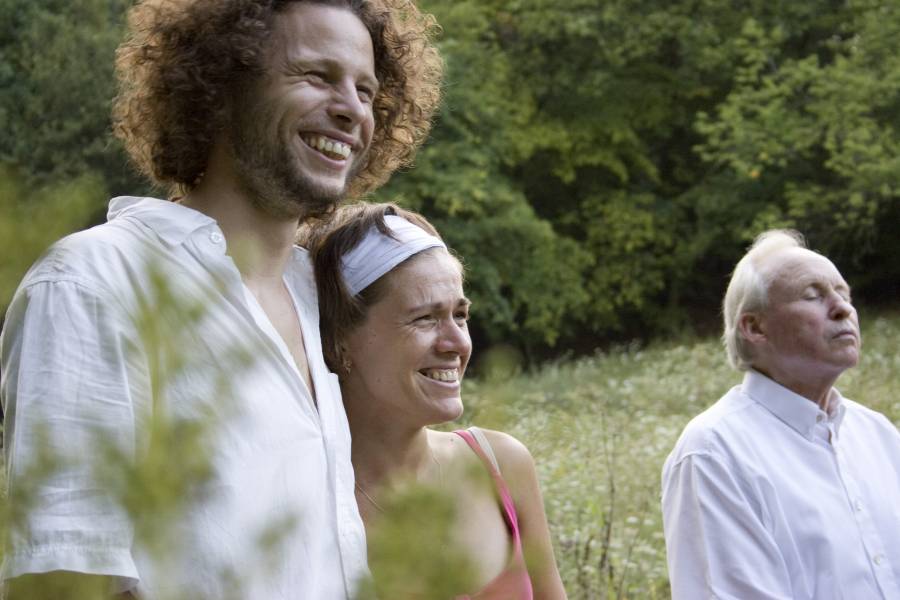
69, 380
716, 544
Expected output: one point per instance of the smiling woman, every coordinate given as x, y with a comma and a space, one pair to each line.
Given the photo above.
394, 328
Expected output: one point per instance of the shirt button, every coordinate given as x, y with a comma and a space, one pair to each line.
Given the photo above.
215, 237
857, 505
879, 558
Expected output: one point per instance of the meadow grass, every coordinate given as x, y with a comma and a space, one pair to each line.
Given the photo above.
600, 428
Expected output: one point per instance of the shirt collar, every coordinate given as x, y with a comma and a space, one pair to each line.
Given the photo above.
796, 411
836, 409
174, 223
171, 221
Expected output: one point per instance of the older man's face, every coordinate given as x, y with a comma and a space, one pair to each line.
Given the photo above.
810, 328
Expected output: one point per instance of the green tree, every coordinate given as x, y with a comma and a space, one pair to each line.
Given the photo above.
600, 165
817, 131
56, 85
651, 141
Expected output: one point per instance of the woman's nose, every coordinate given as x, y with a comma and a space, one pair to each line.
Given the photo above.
454, 337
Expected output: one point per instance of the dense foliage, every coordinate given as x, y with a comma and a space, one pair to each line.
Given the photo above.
599, 165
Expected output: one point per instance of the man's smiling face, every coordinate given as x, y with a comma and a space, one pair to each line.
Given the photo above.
303, 131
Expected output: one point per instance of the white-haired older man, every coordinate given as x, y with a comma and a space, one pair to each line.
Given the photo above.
783, 488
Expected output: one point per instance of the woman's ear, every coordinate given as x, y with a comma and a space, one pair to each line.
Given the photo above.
346, 365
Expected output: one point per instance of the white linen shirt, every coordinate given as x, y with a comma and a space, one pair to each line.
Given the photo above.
76, 367
765, 496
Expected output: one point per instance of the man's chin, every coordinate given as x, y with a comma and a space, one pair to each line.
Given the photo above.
296, 199
316, 199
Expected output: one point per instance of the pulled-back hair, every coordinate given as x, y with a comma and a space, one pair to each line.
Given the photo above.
183, 60
748, 290
328, 242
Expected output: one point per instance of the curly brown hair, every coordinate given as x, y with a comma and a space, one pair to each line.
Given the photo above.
183, 59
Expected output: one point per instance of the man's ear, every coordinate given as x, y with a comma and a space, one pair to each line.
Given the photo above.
750, 326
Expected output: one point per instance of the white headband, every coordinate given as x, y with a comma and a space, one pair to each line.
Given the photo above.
377, 253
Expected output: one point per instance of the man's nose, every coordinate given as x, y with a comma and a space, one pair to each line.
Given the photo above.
346, 105
841, 308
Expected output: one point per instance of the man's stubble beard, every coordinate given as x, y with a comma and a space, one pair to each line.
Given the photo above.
267, 170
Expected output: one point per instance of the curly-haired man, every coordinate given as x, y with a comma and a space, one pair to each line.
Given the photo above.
256, 115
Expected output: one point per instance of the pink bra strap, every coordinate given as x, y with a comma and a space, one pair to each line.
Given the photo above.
509, 507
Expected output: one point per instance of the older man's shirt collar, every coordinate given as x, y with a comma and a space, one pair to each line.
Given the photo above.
800, 413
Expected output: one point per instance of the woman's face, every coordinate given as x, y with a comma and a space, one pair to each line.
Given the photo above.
409, 355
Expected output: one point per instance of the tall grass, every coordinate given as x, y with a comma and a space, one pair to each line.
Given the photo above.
601, 427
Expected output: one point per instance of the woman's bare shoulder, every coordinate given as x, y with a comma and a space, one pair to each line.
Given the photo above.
512, 455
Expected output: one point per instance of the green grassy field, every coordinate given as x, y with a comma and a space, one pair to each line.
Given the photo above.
601, 427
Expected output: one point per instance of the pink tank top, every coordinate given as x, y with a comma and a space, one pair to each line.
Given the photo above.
513, 583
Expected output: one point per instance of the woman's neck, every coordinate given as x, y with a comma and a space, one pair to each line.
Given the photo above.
384, 455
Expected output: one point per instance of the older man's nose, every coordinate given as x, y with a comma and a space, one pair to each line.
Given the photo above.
841, 308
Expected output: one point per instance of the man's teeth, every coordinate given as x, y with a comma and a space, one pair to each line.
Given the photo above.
450, 375
328, 147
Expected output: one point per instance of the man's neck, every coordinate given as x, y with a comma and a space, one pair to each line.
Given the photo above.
817, 391
259, 244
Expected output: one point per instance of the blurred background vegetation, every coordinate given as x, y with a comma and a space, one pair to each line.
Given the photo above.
599, 164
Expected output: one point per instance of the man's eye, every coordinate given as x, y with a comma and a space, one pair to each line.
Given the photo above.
366, 94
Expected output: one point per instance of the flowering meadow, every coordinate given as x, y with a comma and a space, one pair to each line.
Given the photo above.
600, 428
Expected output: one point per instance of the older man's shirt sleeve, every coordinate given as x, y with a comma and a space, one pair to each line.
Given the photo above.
717, 543
69, 378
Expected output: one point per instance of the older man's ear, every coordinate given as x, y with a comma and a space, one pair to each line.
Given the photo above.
751, 329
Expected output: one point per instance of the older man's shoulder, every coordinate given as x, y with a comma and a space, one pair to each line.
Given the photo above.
713, 430
867, 421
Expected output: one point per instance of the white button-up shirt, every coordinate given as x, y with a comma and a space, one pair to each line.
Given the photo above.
77, 367
766, 496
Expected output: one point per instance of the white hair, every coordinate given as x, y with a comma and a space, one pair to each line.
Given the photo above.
748, 290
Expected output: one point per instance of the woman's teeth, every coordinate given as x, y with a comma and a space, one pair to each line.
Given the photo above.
450, 375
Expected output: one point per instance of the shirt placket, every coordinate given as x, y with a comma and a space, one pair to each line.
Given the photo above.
349, 542
349, 537
862, 514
